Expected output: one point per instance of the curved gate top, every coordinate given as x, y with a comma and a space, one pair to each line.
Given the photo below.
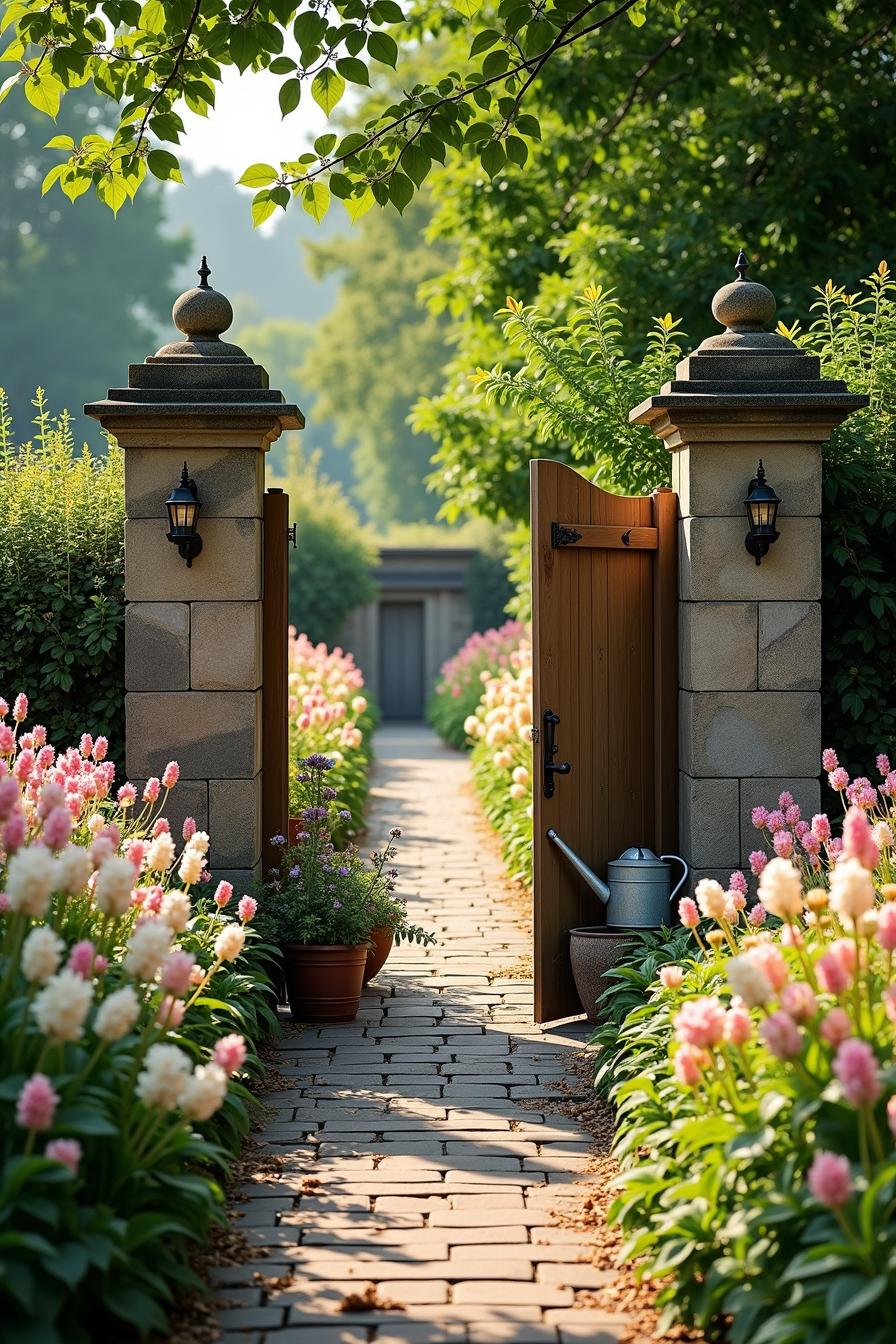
604, 601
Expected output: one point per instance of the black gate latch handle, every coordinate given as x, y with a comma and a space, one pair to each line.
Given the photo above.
550, 751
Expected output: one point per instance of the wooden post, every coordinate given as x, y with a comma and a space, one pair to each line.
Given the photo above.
665, 665
274, 710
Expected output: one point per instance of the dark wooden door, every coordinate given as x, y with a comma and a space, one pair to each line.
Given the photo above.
604, 600
401, 691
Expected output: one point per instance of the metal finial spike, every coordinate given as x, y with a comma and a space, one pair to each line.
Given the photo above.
741, 265
185, 475
204, 272
760, 474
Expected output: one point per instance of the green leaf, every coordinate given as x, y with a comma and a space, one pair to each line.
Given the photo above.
289, 96
324, 144
258, 175
401, 191
112, 191
638, 13
153, 17
164, 165
359, 205
493, 157
52, 177
44, 92
327, 89
309, 29
415, 163
60, 142
852, 1293
467, 7
282, 65
354, 70
315, 202
383, 48
243, 47
386, 11
69, 1263
517, 150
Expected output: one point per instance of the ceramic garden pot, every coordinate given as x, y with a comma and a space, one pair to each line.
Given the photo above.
594, 950
323, 981
381, 940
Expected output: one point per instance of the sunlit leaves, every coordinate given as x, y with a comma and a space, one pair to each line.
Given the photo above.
289, 96
258, 175
327, 89
316, 200
164, 165
43, 92
383, 48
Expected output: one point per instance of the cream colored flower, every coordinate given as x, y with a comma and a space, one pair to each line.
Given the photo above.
748, 981
883, 835
176, 910
148, 947
73, 870
114, 886
163, 1076
204, 1092
229, 942
781, 889
160, 855
199, 841
852, 890
710, 898
117, 1014
191, 866
31, 879
41, 954
62, 1005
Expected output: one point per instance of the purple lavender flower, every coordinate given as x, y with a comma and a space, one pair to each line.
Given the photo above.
395, 832
344, 814
303, 836
278, 839
318, 762
344, 872
295, 872
337, 905
329, 794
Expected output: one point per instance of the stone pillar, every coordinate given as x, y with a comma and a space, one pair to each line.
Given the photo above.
193, 636
749, 635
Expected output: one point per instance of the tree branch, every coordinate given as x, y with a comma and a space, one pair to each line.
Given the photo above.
172, 74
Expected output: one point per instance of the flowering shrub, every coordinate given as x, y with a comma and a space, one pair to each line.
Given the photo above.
501, 730
119, 996
329, 716
324, 895
756, 1088
459, 689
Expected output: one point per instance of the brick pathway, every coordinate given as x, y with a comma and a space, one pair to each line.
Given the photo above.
408, 1170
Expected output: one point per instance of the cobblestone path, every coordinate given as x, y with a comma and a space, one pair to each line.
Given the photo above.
409, 1173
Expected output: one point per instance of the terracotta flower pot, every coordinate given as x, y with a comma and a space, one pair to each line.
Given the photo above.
376, 955
323, 981
594, 950
295, 825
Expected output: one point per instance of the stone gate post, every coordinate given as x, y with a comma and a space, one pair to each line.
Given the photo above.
193, 635
749, 634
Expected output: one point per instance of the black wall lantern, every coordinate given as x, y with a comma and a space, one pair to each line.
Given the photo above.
183, 515
761, 504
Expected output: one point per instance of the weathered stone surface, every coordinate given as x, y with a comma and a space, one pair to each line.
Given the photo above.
234, 808
189, 798
765, 792
709, 830
717, 646
716, 567
789, 646
712, 479
229, 481
241, 879
749, 734
211, 734
157, 646
229, 567
225, 646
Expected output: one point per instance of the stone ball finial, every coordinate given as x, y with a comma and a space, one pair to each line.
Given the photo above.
743, 305
202, 313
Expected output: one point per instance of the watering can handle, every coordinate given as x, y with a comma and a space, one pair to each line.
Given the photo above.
684, 876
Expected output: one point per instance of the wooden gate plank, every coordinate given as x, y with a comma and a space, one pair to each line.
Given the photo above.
585, 535
274, 693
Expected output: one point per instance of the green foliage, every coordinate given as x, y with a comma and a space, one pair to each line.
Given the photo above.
153, 59
62, 576
488, 584
330, 568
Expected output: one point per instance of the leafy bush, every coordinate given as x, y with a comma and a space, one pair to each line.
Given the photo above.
121, 985
62, 576
756, 1091
459, 689
330, 717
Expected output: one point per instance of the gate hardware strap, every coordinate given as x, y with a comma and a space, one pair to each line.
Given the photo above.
600, 536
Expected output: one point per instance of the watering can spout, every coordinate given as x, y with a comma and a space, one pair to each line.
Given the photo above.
585, 873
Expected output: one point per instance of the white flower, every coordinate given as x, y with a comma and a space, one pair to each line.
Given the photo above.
781, 889
117, 1014
162, 1078
852, 890
883, 835
710, 898
62, 1005
73, 869
748, 980
41, 954
200, 842
160, 855
229, 942
147, 949
30, 880
204, 1092
114, 886
191, 866
176, 910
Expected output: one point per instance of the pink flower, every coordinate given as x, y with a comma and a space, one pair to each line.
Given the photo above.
37, 1101
688, 912
700, 1022
838, 779
671, 977
782, 1036
81, 957
891, 1115
135, 850
810, 842
738, 1025
836, 1026
100, 749
832, 974
7, 739
127, 795
248, 905
861, 792
776, 820
20, 708
883, 764
66, 1151
858, 839
798, 1001
792, 814
86, 745
151, 789
737, 899
782, 842
737, 882
100, 964
189, 829
14, 831
176, 972
688, 1064
830, 1179
759, 817
772, 964
756, 915
886, 927
223, 893
160, 827
230, 1053
829, 759
835, 848
171, 1012
889, 998
9, 796
785, 800
170, 775
758, 860
856, 1069
57, 828
152, 901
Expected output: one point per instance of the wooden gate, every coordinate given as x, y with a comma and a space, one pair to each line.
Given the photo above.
274, 690
604, 601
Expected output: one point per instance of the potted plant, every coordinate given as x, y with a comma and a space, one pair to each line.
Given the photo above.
390, 914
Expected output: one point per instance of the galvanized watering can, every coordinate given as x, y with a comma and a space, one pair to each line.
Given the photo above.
638, 892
